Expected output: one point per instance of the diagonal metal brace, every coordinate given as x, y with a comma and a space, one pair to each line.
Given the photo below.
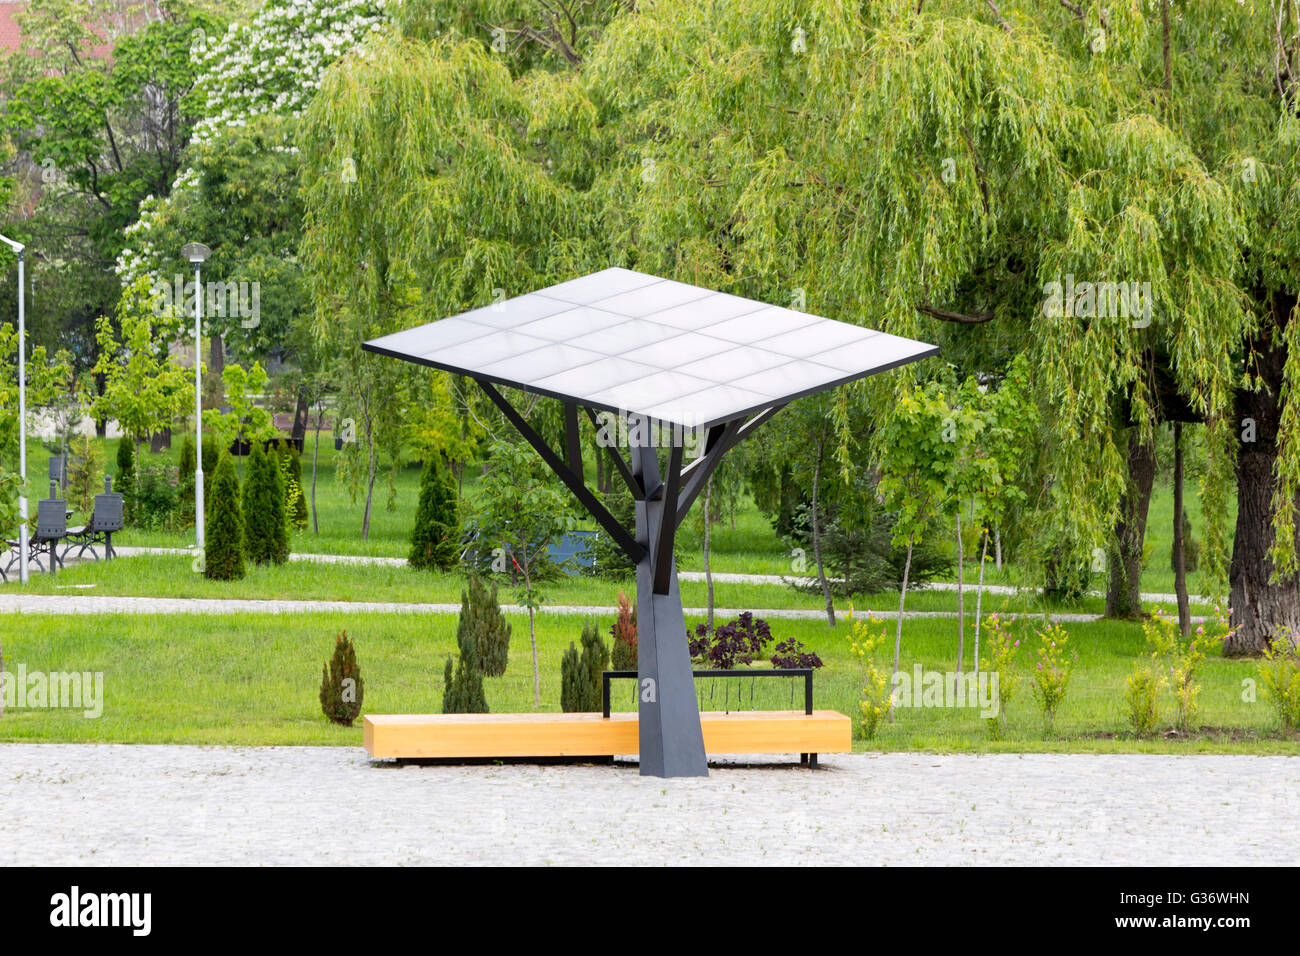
575, 483
721, 439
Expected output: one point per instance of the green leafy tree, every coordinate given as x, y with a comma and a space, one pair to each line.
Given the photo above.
435, 538
295, 502
918, 452
246, 421
223, 531
266, 529
144, 388
521, 511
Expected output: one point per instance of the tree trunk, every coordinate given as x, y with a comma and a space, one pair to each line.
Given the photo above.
979, 598
1124, 584
961, 602
898, 631
708, 521
370, 486
537, 681
315, 456
1180, 556
1260, 609
997, 548
817, 542
159, 441
300, 414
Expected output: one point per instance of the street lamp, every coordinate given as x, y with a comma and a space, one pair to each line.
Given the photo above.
18, 247
197, 253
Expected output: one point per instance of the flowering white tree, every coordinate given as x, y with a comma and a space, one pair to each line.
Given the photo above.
270, 66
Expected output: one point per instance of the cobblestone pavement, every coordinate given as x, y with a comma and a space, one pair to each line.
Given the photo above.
84, 804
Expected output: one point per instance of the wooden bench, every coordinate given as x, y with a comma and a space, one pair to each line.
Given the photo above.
593, 735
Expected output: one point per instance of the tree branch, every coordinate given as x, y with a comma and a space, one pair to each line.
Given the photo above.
963, 318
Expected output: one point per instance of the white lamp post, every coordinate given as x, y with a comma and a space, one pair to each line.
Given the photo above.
18, 247
197, 253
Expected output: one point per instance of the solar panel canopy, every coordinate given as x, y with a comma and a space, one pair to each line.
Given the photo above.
638, 344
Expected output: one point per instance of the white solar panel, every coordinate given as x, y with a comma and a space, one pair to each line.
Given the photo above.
634, 343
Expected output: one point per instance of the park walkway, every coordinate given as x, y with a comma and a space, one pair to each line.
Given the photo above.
76, 805
719, 577
13, 602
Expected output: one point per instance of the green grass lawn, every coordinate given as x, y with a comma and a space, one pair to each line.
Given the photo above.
253, 680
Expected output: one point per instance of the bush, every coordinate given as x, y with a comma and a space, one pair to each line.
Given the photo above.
85, 474
1003, 666
124, 481
623, 634
223, 530
156, 497
581, 684
1191, 549
1280, 674
341, 685
462, 685
435, 537
1179, 660
266, 533
185, 483
738, 641
295, 502
1142, 692
876, 694
1051, 676
483, 633
792, 653
211, 453
607, 559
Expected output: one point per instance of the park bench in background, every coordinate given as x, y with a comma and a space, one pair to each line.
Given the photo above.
105, 519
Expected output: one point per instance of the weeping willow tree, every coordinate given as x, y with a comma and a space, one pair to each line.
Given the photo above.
955, 171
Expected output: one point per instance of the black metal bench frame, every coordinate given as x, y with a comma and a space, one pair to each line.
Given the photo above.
805, 672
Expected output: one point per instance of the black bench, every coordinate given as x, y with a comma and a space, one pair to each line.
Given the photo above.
105, 518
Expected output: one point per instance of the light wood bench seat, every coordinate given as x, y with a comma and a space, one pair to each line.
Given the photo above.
591, 735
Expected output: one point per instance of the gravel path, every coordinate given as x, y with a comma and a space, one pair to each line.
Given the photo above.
82, 603
127, 805
721, 577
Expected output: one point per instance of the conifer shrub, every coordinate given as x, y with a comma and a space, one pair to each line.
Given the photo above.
295, 502
266, 530
223, 529
581, 687
341, 686
623, 633
462, 682
124, 483
435, 537
185, 468
483, 631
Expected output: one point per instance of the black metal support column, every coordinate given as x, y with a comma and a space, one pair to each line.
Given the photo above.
671, 741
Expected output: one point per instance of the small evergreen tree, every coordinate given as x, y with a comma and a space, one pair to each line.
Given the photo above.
211, 453
581, 686
462, 687
295, 502
341, 685
483, 631
435, 537
185, 481
624, 636
125, 481
223, 558
266, 530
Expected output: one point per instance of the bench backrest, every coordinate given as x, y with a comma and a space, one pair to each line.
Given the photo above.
107, 515
51, 518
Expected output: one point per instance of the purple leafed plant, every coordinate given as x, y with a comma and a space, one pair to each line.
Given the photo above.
736, 642
792, 653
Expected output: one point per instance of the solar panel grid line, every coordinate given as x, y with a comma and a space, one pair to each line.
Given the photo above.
627, 342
